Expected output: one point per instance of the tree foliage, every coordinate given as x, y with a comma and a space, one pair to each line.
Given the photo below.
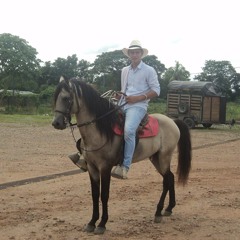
178, 72
107, 70
18, 63
220, 73
70, 67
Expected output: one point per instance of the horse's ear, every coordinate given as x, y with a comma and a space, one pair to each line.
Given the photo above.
62, 79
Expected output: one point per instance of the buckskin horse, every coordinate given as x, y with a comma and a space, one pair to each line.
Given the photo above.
101, 147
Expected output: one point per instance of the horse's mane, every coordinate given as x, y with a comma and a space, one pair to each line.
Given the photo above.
97, 106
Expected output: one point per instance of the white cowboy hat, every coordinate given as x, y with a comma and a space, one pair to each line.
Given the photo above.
135, 44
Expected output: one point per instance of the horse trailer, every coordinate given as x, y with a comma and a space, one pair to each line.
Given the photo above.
196, 103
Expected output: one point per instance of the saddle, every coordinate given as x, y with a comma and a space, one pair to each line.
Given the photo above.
148, 127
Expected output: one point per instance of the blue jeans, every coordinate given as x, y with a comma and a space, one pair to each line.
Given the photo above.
133, 117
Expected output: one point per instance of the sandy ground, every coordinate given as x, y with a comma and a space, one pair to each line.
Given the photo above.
207, 208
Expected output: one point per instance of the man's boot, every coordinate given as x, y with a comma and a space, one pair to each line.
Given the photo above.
78, 161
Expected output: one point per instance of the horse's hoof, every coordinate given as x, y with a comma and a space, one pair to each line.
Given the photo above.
167, 213
89, 228
158, 219
99, 230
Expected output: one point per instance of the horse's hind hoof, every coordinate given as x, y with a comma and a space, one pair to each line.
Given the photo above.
167, 213
158, 219
89, 228
99, 230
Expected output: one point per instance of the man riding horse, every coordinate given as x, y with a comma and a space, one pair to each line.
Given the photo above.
139, 83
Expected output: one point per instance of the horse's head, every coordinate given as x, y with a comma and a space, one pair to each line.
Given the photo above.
80, 98
63, 104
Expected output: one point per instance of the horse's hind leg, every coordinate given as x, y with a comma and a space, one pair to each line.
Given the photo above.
169, 177
168, 186
158, 214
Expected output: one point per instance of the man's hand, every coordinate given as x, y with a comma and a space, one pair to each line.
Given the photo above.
118, 95
134, 99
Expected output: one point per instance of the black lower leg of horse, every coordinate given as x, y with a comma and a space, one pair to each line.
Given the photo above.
162, 198
95, 187
171, 188
105, 187
168, 186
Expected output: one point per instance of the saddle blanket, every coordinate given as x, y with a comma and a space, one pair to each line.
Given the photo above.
149, 130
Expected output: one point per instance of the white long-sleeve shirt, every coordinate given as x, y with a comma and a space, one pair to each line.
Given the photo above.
139, 81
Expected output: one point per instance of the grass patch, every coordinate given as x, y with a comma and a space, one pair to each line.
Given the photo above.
157, 106
233, 111
26, 119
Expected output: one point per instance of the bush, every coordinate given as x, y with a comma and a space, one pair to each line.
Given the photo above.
19, 103
27, 103
158, 106
46, 95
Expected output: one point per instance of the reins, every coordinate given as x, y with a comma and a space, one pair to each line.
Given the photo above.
98, 118
84, 149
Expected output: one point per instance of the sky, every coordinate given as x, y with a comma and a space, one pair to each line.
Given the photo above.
188, 31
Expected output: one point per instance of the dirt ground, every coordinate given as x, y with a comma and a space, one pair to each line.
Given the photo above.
58, 208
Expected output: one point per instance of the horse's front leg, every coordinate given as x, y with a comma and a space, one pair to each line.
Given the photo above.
105, 187
95, 187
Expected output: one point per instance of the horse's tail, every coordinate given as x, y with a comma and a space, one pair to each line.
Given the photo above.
184, 152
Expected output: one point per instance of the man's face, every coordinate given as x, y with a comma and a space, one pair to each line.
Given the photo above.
135, 55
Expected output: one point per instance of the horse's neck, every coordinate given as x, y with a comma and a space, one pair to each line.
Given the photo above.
89, 132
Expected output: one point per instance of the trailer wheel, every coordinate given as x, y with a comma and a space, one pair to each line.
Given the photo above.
182, 108
190, 122
207, 125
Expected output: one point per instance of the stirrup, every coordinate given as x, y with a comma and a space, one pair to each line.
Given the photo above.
80, 162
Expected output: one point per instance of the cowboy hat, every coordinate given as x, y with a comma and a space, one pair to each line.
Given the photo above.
135, 44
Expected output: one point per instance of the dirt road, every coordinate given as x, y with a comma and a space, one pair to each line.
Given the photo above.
59, 207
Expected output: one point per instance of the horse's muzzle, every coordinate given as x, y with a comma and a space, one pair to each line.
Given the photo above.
59, 123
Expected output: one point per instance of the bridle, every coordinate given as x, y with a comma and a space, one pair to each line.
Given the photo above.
67, 114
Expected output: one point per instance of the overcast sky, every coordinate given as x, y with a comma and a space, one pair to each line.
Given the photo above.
188, 31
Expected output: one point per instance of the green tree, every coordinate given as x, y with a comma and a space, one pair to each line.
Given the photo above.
50, 73
46, 75
83, 69
18, 63
178, 72
107, 70
219, 73
67, 67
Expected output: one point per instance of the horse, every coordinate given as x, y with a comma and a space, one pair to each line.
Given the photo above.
102, 148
